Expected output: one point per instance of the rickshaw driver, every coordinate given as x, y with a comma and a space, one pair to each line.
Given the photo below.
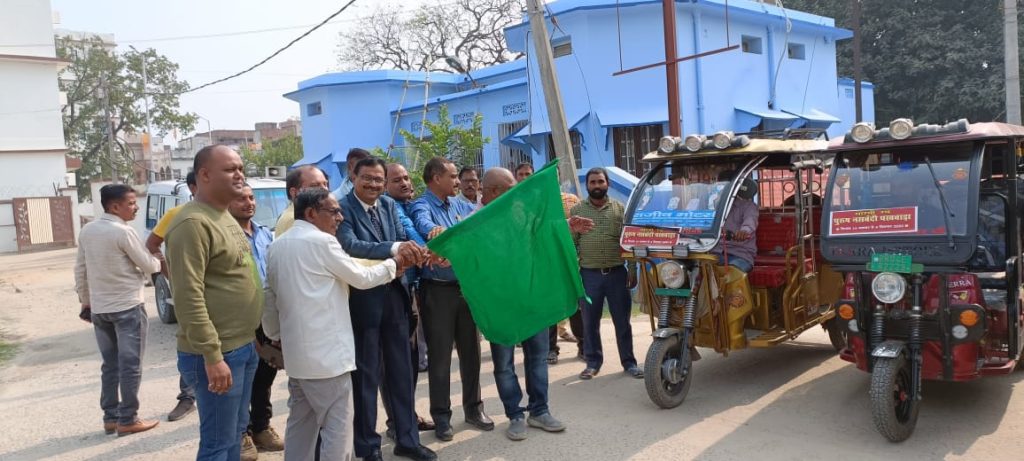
738, 245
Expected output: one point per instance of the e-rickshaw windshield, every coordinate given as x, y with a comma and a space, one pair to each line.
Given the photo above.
900, 192
687, 196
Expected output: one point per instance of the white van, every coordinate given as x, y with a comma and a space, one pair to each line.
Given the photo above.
271, 200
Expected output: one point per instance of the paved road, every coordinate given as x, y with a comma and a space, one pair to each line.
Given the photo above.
793, 402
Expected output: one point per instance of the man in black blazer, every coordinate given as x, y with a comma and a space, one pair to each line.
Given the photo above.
380, 316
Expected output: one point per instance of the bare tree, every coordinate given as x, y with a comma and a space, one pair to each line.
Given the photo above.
447, 36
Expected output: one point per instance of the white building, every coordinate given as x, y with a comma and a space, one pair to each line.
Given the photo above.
37, 206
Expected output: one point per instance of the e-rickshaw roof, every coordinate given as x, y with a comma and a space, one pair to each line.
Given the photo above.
975, 132
756, 146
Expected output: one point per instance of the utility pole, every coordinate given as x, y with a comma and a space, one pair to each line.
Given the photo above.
855, 18
147, 144
553, 99
108, 121
1012, 60
675, 122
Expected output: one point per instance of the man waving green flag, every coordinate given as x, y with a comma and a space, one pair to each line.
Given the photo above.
515, 260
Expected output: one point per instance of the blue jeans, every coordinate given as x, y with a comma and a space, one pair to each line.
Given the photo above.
535, 367
610, 284
737, 262
222, 417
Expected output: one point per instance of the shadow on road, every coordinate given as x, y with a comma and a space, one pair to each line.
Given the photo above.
833, 415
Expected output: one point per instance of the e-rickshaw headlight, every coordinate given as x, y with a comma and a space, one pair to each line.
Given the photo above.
889, 287
672, 274
694, 142
862, 132
722, 139
901, 128
667, 144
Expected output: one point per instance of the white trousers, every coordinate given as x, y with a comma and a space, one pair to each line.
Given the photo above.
321, 406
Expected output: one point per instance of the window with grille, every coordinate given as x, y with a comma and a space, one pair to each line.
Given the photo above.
511, 156
632, 143
576, 139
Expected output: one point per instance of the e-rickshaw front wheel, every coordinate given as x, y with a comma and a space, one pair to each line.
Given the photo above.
666, 375
836, 334
893, 405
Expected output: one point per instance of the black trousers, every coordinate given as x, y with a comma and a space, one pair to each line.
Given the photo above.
414, 349
447, 322
383, 342
576, 325
260, 409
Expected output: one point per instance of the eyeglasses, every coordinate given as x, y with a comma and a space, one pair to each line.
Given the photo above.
372, 179
330, 210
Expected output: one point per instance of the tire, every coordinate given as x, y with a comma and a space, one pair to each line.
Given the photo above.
163, 294
661, 390
893, 409
836, 334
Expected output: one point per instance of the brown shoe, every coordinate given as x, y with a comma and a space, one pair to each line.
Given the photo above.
138, 426
109, 428
268, 440
424, 425
249, 452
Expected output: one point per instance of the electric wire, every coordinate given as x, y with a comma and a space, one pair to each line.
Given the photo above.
272, 55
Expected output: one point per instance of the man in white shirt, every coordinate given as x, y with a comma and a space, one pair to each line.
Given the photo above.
111, 269
307, 311
469, 187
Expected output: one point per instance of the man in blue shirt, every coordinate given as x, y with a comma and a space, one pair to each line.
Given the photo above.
259, 435
446, 316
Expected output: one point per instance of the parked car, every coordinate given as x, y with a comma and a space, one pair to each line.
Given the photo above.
271, 200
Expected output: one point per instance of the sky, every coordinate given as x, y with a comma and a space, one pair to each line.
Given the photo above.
243, 101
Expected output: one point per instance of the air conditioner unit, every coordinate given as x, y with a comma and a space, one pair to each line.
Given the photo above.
276, 172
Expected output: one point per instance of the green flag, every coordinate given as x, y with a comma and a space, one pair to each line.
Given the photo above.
515, 260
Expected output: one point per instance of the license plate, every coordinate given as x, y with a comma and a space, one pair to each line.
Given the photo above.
892, 262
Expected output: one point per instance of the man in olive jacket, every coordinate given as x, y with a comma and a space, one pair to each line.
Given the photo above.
218, 303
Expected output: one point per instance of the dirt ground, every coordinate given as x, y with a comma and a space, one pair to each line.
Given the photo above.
794, 402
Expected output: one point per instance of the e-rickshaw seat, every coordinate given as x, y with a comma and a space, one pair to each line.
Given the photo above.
776, 233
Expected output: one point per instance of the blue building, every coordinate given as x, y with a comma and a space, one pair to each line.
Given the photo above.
783, 74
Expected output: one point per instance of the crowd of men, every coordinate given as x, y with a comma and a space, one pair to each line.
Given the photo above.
344, 295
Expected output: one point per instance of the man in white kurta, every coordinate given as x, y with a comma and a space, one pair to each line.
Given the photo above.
307, 311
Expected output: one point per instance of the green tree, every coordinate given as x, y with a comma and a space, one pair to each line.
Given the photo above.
933, 61
284, 151
463, 146
96, 81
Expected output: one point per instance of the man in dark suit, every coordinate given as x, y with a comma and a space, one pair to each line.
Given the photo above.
380, 316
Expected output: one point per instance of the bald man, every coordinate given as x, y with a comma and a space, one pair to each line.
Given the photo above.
497, 181
218, 301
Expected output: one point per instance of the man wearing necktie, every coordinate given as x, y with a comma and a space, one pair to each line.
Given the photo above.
380, 316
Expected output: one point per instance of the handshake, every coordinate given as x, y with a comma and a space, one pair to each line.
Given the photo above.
412, 254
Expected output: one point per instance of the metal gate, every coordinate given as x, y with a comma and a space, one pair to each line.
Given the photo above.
43, 223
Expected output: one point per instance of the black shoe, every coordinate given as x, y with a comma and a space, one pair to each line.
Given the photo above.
552, 358
374, 455
444, 432
481, 421
181, 410
419, 453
